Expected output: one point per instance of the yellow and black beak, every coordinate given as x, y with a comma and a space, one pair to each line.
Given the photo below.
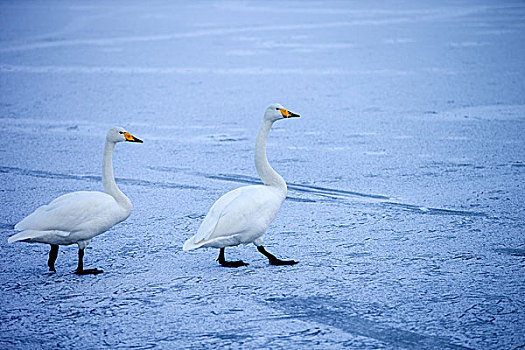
131, 138
287, 114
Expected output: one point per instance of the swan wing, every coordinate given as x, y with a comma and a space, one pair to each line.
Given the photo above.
212, 218
249, 214
76, 211
242, 215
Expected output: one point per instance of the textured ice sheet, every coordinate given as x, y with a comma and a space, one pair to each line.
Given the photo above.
405, 172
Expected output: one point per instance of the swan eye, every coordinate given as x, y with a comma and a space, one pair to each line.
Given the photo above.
277, 109
121, 132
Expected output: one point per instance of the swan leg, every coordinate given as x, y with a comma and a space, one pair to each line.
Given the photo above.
273, 260
53, 254
80, 268
225, 263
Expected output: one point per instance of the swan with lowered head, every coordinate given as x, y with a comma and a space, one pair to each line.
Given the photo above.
243, 215
77, 217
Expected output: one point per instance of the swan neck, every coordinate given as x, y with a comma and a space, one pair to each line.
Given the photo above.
108, 178
269, 176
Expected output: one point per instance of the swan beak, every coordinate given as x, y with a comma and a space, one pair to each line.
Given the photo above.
288, 114
131, 138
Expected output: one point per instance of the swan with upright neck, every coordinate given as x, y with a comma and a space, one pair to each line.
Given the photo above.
77, 217
243, 215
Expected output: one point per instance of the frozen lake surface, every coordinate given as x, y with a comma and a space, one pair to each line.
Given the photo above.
406, 172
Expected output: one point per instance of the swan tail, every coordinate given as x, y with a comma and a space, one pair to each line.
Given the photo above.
24, 236
36, 236
218, 242
191, 245
203, 234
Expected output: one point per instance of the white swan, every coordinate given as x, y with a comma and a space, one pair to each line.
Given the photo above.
77, 217
243, 215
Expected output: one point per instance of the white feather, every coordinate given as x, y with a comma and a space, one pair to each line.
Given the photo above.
243, 215
239, 217
73, 217
77, 217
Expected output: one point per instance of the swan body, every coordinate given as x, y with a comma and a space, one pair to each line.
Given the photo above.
240, 216
77, 217
243, 215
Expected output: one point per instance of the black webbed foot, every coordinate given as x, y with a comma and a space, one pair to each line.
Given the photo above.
237, 263
279, 262
273, 260
88, 272
80, 268
225, 263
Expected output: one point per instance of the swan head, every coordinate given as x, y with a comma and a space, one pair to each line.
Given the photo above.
276, 111
119, 134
